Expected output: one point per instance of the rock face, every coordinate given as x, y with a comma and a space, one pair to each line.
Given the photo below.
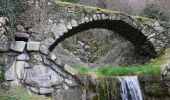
70, 94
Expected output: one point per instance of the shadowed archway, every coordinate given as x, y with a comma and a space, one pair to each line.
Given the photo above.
130, 33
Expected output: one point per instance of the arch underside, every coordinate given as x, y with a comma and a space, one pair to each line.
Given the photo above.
135, 36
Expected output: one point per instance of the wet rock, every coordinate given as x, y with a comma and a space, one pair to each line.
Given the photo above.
33, 46
23, 57
18, 46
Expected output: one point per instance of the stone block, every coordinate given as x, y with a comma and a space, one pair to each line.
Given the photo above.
44, 49
19, 69
95, 17
10, 73
23, 57
45, 90
21, 28
69, 27
22, 35
33, 46
18, 46
74, 23
71, 83
52, 56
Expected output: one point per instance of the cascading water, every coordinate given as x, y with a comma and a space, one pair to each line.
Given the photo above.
130, 89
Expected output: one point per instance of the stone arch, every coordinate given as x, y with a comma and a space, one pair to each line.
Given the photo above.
123, 24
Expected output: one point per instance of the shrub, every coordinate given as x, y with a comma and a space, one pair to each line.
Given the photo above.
153, 11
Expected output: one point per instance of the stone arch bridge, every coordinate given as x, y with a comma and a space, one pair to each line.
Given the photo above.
30, 60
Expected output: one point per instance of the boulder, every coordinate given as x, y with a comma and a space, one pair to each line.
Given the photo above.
42, 76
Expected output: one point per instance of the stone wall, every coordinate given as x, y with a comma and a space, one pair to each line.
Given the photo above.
33, 65
62, 20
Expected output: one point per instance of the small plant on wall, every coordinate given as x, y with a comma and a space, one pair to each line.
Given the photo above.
155, 12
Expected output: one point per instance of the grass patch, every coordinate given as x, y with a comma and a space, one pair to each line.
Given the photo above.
19, 94
120, 71
83, 70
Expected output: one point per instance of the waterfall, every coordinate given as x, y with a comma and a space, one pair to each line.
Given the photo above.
130, 89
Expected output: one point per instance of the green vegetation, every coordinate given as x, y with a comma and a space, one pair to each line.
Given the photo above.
153, 11
19, 94
108, 89
162, 59
120, 71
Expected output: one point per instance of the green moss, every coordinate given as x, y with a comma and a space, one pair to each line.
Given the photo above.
134, 70
162, 59
108, 88
92, 10
82, 70
120, 71
85, 8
